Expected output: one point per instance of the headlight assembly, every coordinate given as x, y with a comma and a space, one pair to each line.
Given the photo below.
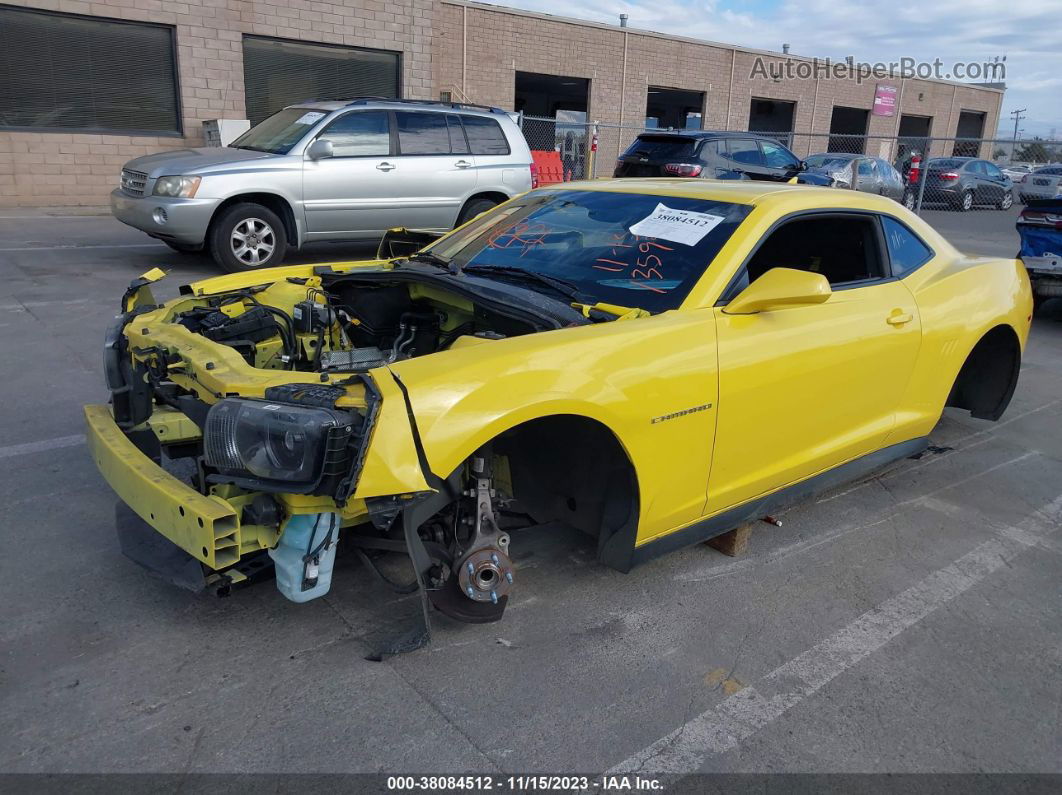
177, 187
277, 446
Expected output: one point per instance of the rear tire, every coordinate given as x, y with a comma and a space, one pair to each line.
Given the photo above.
965, 201
909, 200
475, 207
1007, 201
246, 237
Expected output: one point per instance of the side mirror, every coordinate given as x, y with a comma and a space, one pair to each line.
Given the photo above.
319, 149
779, 288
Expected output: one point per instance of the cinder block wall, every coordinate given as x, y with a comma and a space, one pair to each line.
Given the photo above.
478, 48
446, 45
58, 168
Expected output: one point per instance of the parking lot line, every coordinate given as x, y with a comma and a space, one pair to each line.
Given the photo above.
739, 716
39, 447
77, 247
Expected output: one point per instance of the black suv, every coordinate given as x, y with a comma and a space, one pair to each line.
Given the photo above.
711, 155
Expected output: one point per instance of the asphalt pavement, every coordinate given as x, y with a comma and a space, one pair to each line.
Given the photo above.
906, 623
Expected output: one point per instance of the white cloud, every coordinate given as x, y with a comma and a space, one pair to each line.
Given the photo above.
1026, 31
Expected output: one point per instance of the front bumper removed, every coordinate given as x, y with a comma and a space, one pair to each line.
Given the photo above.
207, 528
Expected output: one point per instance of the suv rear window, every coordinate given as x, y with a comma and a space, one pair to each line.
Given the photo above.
661, 147
485, 136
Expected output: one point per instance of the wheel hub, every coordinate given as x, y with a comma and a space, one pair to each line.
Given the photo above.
253, 241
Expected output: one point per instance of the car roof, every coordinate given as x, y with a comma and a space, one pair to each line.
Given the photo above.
701, 134
331, 105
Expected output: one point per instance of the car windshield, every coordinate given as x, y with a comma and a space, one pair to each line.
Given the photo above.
627, 249
279, 132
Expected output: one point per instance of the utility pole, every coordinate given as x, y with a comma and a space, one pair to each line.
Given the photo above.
1017, 114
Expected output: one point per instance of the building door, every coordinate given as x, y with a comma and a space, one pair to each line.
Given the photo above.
968, 134
670, 108
848, 130
771, 117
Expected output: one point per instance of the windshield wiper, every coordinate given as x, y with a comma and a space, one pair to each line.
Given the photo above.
431, 258
562, 286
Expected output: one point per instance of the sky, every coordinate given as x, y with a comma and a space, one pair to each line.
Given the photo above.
1026, 31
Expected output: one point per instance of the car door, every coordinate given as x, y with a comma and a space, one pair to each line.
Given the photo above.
495, 169
806, 388
745, 157
866, 174
998, 180
434, 171
780, 163
982, 188
352, 194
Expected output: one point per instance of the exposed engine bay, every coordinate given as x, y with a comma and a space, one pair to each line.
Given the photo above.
289, 455
351, 324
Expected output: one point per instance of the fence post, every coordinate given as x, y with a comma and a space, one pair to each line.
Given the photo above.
923, 174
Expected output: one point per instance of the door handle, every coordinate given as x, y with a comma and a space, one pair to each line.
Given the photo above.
898, 318
386, 166
463, 164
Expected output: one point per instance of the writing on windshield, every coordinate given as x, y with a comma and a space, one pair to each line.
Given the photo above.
597, 241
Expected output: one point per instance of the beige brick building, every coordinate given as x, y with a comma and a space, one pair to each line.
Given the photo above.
67, 150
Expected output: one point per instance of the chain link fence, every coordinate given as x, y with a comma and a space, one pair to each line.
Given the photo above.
920, 172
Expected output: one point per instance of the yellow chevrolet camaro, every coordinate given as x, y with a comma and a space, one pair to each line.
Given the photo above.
653, 362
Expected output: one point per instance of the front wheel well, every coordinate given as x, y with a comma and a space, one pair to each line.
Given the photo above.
986, 382
573, 470
277, 204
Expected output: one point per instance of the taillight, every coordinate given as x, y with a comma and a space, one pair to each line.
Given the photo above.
683, 169
949, 175
534, 176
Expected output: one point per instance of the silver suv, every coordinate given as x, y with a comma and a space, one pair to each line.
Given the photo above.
315, 171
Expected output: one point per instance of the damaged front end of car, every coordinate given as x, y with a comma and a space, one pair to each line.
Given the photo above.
255, 420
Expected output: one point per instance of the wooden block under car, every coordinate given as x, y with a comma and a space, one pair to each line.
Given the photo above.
733, 543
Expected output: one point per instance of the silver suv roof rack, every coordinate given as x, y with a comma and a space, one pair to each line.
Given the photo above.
365, 100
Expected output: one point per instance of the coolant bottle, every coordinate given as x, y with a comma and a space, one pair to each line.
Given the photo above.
305, 554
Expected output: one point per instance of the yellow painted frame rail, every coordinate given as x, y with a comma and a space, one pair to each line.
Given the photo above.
207, 528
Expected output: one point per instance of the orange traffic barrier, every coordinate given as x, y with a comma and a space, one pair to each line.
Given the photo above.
548, 163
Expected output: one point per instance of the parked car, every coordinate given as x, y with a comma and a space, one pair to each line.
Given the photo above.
873, 175
965, 182
586, 354
709, 155
1015, 173
327, 171
1040, 229
1043, 183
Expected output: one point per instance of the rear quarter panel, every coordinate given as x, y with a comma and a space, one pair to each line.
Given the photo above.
960, 299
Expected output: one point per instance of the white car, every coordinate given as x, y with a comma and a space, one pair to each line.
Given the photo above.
1016, 173
1044, 183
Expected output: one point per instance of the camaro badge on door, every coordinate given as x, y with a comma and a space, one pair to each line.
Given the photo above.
683, 413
